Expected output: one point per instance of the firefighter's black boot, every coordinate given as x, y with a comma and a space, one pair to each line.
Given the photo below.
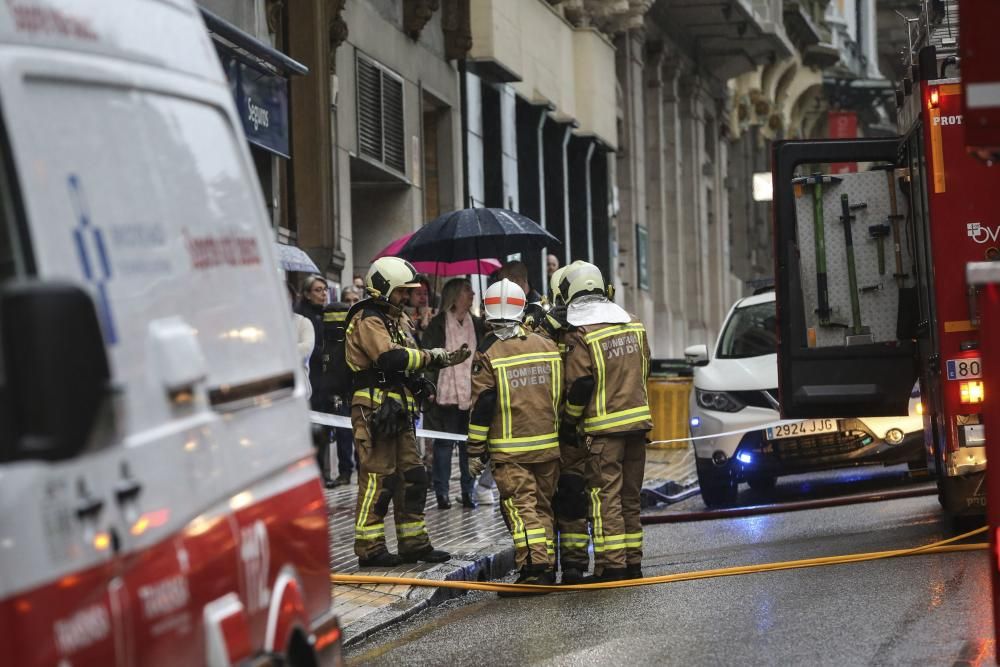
381, 559
607, 574
429, 555
572, 576
539, 575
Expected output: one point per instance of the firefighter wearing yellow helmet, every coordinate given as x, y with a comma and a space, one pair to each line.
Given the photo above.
516, 393
385, 360
607, 412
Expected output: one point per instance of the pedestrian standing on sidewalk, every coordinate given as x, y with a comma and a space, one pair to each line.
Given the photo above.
335, 317
517, 389
385, 359
451, 328
607, 412
312, 306
305, 336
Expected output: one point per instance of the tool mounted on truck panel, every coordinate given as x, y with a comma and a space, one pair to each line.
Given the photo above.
822, 292
859, 334
894, 219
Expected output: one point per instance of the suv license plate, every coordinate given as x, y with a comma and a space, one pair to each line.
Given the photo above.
803, 428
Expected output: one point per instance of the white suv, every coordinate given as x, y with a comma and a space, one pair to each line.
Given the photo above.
735, 390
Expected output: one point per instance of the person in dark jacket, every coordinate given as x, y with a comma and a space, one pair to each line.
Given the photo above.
452, 326
312, 306
335, 316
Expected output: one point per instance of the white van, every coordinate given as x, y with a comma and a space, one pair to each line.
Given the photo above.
159, 501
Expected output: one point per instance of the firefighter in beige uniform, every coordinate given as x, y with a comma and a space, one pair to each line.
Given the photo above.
607, 365
384, 357
516, 391
570, 503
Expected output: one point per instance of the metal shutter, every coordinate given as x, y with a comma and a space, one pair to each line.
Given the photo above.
369, 109
380, 115
392, 122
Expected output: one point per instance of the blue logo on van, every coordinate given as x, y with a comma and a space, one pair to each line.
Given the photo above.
93, 256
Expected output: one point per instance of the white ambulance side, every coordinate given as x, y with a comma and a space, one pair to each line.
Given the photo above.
195, 516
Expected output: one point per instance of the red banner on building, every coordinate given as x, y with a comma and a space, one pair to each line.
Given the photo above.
843, 125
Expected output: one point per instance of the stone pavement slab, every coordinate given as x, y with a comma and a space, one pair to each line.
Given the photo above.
479, 543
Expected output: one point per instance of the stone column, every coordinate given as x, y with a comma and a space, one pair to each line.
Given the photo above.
677, 278
312, 205
692, 198
632, 180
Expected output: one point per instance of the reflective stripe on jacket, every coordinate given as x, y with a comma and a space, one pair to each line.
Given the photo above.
616, 356
521, 380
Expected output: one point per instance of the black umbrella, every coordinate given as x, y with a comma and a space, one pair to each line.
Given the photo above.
468, 233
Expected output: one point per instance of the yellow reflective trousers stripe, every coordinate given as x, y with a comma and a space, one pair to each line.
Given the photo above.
597, 524
574, 540
371, 532
366, 503
411, 529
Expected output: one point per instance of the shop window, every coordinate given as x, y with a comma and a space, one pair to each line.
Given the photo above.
380, 115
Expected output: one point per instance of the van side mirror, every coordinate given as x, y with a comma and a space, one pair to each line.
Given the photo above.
54, 375
696, 355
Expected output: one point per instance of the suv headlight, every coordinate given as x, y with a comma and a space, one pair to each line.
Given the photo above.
722, 401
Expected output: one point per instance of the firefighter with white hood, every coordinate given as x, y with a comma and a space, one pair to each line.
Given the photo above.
607, 412
516, 392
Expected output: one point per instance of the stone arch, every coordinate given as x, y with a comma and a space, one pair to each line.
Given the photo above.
771, 75
800, 105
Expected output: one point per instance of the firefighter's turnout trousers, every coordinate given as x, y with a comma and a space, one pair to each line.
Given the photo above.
616, 467
571, 509
607, 366
391, 471
516, 391
526, 503
380, 344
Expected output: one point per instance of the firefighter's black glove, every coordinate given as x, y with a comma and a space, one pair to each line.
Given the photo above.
456, 357
438, 358
423, 391
477, 464
568, 434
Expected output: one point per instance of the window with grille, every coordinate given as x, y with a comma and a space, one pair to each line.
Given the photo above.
380, 114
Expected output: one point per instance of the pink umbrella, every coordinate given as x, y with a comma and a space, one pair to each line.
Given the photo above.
459, 268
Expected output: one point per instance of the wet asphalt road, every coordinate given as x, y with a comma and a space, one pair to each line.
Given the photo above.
927, 610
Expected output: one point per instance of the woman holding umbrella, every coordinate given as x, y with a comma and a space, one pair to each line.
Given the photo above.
452, 327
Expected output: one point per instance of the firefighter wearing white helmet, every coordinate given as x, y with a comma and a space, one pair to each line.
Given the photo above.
516, 392
385, 360
607, 412
569, 505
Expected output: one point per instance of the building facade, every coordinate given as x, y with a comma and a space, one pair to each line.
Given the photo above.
633, 131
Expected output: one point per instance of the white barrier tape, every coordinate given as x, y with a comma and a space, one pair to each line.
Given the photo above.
339, 421
345, 422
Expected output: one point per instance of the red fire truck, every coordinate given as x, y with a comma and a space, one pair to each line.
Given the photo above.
877, 330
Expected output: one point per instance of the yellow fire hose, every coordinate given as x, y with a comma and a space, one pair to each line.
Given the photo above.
943, 546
